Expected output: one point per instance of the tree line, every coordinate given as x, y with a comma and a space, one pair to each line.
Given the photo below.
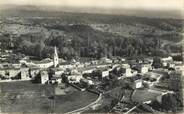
83, 41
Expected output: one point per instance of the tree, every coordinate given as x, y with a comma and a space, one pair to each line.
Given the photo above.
157, 62
38, 49
169, 102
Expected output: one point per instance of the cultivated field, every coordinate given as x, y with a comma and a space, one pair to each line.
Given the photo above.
25, 97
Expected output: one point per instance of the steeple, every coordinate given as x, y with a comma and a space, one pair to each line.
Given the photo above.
56, 58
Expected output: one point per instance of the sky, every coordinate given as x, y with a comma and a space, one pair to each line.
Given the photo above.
115, 4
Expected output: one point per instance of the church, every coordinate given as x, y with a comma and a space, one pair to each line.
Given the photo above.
55, 58
43, 64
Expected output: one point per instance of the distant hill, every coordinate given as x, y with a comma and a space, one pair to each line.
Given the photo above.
90, 34
93, 10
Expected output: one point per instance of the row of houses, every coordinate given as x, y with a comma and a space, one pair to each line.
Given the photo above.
14, 73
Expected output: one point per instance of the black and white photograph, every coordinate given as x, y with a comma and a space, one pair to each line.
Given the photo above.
91, 56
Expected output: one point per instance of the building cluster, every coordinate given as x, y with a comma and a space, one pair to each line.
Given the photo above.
96, 75
92, 71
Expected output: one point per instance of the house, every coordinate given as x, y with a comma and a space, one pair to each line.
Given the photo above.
106, 60
9, 73
24, 73
46, 63
180, 67
66, 65
88, 71
122, 71
2, 72
134, 72
8, 51
79, 65
171, 65
115, 60
139, 61
100, 73
87, 64
86, 81
123, 59
55, 79
75, 78
141, 68
94, 62
165, 61
114, 66
44, 77
105, 73
132, 63
148, 60
34, 71
149, 65
43, 64
14, 71
57, 71
137, 84
125, 64
126, 71
103, 65
16, 65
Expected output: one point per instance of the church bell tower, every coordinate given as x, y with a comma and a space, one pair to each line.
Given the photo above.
56, 58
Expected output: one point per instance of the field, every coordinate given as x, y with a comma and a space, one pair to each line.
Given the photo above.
25, 97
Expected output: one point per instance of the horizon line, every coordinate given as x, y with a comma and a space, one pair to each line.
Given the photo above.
97, 10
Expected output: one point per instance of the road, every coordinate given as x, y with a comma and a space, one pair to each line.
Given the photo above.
86, 107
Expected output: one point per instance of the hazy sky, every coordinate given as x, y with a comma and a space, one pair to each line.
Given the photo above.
132, 4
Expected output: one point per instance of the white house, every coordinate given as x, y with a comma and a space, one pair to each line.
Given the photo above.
137, 84
125, 65
167, 59
24, 73
9, 72
106, 60
55, 79
66, 65
105, 73
44, 77
74, 78
127, 71
46, 63
88, 71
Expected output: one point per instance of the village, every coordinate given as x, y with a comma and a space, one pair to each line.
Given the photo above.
88, 56
143, 81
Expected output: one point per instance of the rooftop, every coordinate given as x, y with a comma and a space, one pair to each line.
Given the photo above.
47, 60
